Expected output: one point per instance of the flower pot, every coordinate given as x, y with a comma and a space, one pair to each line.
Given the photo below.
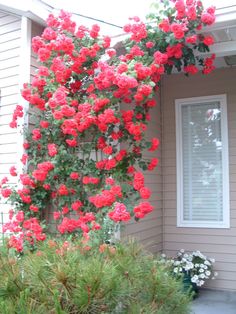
189, 286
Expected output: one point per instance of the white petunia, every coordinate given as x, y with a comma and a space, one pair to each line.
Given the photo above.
194, 278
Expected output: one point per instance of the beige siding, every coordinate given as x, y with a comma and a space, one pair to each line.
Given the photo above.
10, 42
149, 229
217, 243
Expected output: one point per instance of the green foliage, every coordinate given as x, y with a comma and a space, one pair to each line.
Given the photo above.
121, 279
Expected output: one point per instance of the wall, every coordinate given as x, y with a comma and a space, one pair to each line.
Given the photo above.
10, 43
217, 243
17, 66
149, 229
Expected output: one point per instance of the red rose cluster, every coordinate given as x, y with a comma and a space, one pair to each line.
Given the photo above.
85, 151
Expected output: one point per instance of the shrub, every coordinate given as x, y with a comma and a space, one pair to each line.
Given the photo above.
74, 279
84, 158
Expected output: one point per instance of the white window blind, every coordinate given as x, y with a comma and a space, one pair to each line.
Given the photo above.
202, 162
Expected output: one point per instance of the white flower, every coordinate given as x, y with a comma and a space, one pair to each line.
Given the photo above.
176, 270
163, 255
207, 263
215, 274
201, 282
208, 273
212, 260
202, 276
181, 251
201, 270
189, 266
194, 278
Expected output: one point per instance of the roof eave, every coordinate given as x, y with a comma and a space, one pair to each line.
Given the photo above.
34, 9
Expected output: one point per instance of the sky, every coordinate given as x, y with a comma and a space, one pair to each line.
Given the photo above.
115, 11
112, 11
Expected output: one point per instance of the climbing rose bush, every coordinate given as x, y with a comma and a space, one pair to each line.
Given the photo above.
83, 157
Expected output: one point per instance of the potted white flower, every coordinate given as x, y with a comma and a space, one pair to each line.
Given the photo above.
195, 268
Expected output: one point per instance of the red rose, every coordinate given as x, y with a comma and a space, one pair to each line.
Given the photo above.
145, 193
208, 40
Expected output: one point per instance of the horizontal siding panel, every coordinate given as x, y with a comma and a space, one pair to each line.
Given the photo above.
143, 225
4, 110
11, 183
9, 81
203, 247
9, 54
171, 221
12, 35
224, 259
12, 44
9, 63
8, 148
148, 234
222, 285
10, 90
226, 275
4, 208
8, 138
211, 239
5, 129
154, 248
150, 242
7, 158
8, 19
4, 167
3, 13
14, 70
9, 100
10, 27
5, 119
170, 211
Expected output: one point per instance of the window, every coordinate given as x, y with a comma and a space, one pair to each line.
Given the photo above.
202, 162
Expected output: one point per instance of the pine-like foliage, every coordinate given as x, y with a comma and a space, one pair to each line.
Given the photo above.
71, 280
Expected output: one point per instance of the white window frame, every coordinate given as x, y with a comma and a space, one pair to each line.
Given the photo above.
225, 162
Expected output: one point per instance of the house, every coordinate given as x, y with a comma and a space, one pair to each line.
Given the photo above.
194, 186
